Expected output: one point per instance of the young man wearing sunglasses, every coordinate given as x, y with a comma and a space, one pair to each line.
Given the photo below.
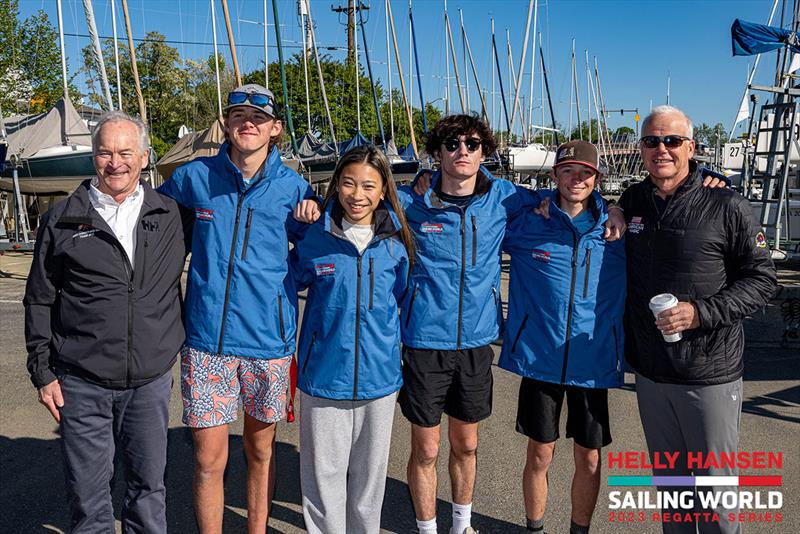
241, 304
564, 330
702, 246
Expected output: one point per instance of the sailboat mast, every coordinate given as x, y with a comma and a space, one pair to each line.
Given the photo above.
303, 22
372, 79
577, 92
447, 67
494, 115
547, 90
464, 52
266, 50
416, 62
116, 54
389, 70
231, 42
97, 52
319, 73
65, 87
588, 96
286, 103
216, 57
355, 56
475, 74
455, 63
518, 83
500, 80
134, 68
402, 82
528, 131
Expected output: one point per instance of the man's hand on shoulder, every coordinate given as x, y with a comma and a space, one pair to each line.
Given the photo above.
422, 183
615, 224
682, 317
714, 182
307, 211
543, 208
50, 396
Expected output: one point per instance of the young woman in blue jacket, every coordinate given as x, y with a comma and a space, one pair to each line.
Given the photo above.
355, 262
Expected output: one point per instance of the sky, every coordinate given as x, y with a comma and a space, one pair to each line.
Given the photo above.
643, 48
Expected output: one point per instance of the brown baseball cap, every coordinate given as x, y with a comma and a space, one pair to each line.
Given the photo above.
576, 151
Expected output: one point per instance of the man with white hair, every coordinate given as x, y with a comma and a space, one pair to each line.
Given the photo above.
702, 246
103, 329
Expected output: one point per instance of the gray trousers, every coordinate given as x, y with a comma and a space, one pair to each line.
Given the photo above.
344, 454
94, 421
687, 418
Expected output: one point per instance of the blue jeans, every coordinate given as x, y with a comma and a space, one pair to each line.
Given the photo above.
94, 420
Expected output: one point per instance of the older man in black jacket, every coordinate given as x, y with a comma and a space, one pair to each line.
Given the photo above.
701, 245
103, 329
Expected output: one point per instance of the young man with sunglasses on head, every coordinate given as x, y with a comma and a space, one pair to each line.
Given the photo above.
241, 304
702, 246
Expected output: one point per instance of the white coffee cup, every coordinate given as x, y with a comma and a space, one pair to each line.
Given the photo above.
663, 302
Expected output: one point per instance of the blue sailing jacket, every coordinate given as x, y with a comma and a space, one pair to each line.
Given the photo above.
453, 301
240, 297
350, 339
566, 300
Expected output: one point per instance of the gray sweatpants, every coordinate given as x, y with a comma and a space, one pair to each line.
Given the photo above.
697, 419
344, 454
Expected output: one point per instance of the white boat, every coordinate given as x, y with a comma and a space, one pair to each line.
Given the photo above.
531, 159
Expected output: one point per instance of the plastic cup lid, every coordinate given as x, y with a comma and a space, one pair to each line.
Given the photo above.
663, 300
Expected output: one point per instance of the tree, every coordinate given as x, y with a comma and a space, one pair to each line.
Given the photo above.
30, 61
709, 135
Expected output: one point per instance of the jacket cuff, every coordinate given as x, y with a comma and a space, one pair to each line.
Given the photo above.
43, 377
702, 313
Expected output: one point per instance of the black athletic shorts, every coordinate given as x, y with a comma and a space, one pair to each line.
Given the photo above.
539, 411
456, 382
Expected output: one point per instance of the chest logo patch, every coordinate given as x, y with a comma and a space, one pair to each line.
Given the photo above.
431, 228
636, 225
203, 214
81, 234
325, 269
541, 255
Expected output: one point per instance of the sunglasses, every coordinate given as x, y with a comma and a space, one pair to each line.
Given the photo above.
670, 141
452, 144
239, 97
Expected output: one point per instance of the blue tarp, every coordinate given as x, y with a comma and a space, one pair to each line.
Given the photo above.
749, 38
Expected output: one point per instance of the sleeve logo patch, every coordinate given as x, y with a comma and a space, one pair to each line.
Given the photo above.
431, 228
636, 225
761, 240
325, 269
541, 255
204, 214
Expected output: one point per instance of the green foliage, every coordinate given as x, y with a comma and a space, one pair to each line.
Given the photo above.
583, 132
30, 61
708, 135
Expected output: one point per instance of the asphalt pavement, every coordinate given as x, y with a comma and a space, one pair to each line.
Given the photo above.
32, 483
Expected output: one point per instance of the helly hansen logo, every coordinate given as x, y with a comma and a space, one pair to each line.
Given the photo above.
204, 214
325, 269
149, 226
431, 228
541, 255
636, 225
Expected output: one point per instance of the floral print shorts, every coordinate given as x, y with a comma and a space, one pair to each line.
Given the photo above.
213, 385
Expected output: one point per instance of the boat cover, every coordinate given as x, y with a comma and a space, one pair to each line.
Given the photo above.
749, 38
311, 150
28, 134
192, 145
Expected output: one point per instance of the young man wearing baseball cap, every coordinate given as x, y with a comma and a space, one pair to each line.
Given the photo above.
241, 303
564, 330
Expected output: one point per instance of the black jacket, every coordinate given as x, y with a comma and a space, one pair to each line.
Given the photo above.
705, 249
88, 311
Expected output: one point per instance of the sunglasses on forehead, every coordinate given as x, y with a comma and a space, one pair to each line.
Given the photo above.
239, 97
670, 141
452, 144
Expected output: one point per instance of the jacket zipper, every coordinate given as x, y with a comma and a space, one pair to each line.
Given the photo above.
616, 345
569, 310
519, 333
474, 241
231, 258
280, 322
247, 232
411, 304
144, 262
358, 328
463, 273
308, 352
371, 280
586, 274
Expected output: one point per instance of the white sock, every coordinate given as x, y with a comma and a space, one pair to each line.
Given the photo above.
462, 514
427, 527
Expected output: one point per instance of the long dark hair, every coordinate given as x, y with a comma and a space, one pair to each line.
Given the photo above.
370, 155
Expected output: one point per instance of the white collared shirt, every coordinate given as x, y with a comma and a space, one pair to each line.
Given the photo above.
121, 217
